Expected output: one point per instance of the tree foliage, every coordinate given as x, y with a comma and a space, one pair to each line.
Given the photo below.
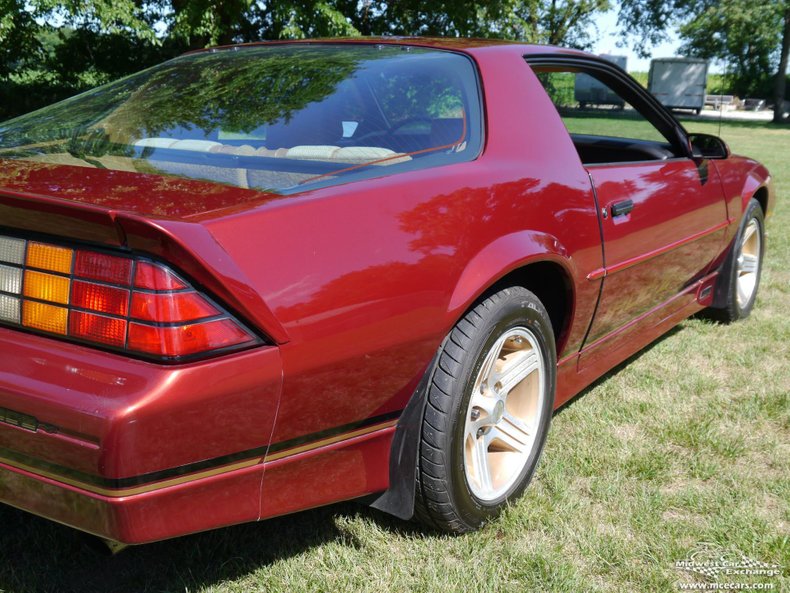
745, 35
49, 50
18, 31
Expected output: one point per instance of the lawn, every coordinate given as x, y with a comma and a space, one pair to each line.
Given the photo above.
686, 446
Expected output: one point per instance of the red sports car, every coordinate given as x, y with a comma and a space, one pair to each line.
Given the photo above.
257, 279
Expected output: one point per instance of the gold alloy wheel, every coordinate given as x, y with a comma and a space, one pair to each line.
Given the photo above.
503, 414
748, 263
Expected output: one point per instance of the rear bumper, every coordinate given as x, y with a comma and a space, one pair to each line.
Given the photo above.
230, 498
129, 450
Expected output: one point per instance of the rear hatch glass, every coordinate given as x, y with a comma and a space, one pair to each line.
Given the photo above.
279, 118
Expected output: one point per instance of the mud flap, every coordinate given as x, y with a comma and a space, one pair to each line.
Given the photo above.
398, 500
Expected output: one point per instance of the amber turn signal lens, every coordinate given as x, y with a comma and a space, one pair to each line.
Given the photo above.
49, 257
47, 287
48, 318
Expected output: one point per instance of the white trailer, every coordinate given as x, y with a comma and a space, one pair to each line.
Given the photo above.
679, 83
588, 91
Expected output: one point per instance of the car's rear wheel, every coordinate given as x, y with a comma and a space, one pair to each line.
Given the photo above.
741, 271
488, 411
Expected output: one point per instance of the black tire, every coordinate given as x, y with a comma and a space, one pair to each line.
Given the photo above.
444, 499
726, 307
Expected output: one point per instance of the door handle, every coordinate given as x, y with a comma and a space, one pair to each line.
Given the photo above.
622, 208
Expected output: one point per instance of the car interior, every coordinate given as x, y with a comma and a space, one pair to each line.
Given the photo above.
607, 149
588, 104
366, 120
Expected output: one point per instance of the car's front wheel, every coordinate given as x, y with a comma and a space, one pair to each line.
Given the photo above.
740, 277
488, 411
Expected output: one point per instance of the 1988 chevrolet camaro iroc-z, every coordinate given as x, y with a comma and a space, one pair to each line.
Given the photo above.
257, 279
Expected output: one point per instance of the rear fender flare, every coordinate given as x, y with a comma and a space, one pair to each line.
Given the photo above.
501, 257
490, 265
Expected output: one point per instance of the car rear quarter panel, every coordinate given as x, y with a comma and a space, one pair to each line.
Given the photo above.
367, 278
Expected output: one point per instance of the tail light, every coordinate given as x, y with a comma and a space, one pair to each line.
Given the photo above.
125, 303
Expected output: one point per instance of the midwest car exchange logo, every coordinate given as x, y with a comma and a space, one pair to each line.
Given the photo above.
727, 570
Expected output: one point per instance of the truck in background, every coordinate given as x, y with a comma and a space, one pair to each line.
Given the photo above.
679, 83
588, 91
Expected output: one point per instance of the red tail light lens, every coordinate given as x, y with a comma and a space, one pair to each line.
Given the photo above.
100, 266
127, 303
171, 307
183, 340
99, 297
154, 277
98, 328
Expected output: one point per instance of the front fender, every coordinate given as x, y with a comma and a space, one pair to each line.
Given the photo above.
754, 181
741, 178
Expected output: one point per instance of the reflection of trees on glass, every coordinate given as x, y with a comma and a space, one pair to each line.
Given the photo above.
405, 95
233, 91
270, 117
211, 92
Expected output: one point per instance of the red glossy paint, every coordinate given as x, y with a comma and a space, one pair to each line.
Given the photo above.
666, 243
355, 287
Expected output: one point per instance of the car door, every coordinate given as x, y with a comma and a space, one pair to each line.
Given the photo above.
662, 213
663, 225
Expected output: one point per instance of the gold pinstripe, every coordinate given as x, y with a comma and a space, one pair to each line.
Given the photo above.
329, 441
121, 492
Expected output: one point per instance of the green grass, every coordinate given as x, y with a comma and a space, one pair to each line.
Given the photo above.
689, 442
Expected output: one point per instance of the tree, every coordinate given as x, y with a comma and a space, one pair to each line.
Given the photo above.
750, 38
743, 34
18, 41
780, 86
50, 50
556, 22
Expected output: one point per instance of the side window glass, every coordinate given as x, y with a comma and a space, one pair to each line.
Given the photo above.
604, 127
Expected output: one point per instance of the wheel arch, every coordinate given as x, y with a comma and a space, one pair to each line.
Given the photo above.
758, 184
532, 260
546, 273
761, 195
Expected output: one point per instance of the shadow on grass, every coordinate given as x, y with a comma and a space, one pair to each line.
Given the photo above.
615, 370
41, 556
